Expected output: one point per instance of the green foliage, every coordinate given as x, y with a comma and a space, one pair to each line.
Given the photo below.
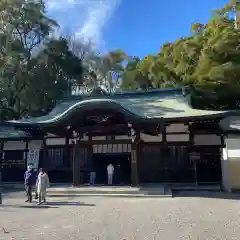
35, 70
208, 60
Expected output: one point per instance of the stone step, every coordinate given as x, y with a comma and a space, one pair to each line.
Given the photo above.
217, 188
109, 191
138, 195
117, 191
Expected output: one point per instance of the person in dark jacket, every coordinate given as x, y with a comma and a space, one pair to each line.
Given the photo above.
29, 181
92, 172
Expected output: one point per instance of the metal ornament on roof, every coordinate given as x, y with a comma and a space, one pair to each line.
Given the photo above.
75, 135
132, 132
99, 119
99, 91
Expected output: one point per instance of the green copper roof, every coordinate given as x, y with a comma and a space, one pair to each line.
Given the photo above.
230, 124
169, 104
12, 134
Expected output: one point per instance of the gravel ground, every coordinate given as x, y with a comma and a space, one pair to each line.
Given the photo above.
209, 216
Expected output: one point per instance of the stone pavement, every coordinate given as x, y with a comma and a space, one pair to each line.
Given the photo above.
209, 216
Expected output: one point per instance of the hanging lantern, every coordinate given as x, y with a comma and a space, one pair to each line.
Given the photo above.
132, 132
75, 136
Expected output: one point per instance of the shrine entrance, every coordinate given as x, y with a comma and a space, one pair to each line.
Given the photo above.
122, 168
117, 154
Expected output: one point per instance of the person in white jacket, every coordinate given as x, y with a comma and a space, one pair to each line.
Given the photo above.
42, 185
110, 172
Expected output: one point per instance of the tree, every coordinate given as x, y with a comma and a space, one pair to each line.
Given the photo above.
60, 68
133, 78
31, 63
105, 70
99, 69
208, 60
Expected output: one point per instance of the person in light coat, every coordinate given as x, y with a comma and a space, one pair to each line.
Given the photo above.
42, 185
110, 172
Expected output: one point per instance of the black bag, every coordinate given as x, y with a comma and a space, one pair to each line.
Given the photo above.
36, 195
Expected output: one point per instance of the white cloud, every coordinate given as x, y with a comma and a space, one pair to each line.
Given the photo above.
56, 5
98, 15
88, 17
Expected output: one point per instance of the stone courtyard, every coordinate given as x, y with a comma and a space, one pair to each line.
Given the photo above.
188, 216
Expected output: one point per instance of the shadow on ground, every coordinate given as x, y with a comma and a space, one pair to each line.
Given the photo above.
67, 203
48, 205
72, 196
206, 194
27, 206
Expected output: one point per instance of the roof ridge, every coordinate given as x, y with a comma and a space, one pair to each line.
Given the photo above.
150, 92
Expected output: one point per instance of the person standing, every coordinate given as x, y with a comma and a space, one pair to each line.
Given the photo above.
42, 185
110, 172
92, 172
92, 177
29, 181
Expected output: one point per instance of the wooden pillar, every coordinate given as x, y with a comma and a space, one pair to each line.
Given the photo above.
89, 153
135, 159
1, 176
191, 136
164, 153
67, 152
75, 164
77, 158
192, 157
45, 154
26, 153
1, 156
164, 134
222, 141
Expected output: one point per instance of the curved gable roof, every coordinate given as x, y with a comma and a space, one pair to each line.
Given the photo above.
11, 133
156, 104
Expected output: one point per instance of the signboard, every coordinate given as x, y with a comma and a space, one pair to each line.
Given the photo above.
33, 153
33, 158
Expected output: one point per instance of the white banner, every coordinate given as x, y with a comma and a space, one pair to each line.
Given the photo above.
33, 158
33, 153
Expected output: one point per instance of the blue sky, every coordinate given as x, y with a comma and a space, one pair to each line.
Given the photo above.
138, 27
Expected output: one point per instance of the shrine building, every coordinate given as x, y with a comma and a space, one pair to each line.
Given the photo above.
149, 136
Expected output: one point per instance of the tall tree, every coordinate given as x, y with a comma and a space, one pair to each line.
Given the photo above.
31, 63
135, 77
207, 60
